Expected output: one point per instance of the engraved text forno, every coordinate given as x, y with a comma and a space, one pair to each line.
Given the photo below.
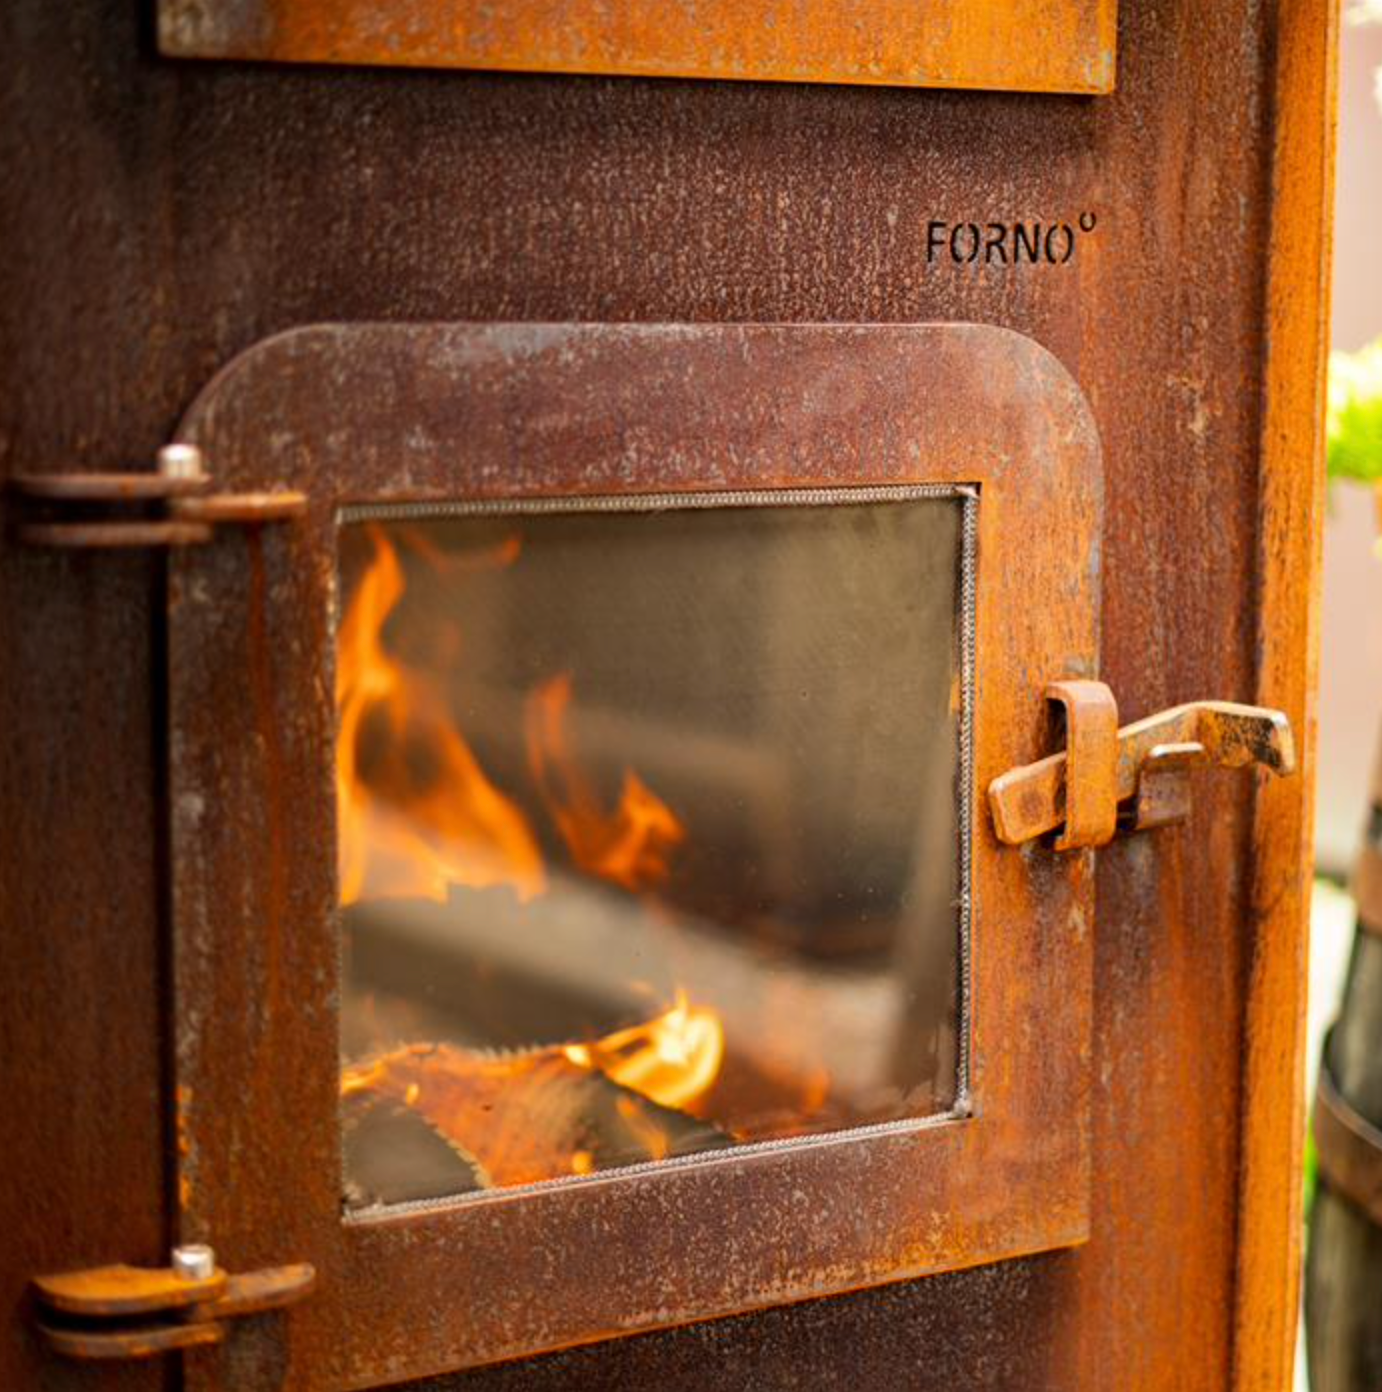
1022, 242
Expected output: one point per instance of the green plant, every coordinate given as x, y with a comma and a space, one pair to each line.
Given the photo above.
1354, 425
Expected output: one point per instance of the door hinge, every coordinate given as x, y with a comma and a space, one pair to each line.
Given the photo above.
1109, 779
123, 1312
173, 505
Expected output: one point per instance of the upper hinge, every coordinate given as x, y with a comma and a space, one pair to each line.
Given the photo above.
1134, 778
123, 1312
171, 506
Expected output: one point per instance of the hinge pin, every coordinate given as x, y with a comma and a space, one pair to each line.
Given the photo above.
181, 462
194, 1262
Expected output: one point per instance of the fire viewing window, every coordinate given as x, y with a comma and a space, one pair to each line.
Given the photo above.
653, 819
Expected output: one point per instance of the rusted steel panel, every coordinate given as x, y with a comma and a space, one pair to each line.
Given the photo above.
160, 217
351, 414
1015, 45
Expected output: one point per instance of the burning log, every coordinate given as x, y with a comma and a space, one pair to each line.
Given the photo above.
523, 1117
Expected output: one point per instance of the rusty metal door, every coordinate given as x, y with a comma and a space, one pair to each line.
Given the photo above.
373, 424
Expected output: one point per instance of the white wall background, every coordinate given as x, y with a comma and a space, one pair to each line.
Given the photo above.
1351, 655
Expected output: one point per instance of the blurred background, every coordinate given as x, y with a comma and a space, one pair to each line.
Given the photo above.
1351, 640
1351, 670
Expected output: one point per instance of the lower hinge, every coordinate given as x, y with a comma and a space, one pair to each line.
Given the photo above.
1135, 778
172, 506
124, 1312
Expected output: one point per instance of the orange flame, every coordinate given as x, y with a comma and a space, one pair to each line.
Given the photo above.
417, 815
673, 1060
417, 812
628, 847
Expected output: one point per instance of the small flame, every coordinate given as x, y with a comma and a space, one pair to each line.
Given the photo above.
417, 812
628, 847
672, 1060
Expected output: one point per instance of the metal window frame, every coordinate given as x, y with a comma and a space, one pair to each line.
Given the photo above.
369, 414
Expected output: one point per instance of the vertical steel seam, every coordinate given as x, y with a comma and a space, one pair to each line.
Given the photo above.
1290, 532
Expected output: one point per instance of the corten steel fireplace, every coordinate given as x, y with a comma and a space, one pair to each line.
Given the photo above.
619, 691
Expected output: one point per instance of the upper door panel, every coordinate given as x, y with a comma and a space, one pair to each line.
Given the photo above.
1000, 45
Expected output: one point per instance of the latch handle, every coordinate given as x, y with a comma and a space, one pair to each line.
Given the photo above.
1149, 772
98, 1311
1090, 811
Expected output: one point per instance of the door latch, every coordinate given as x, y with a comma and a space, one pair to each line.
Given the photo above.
1130, 779
174, 505
123, 1312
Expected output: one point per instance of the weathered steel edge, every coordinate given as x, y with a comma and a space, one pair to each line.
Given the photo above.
1080, 61
1290, 549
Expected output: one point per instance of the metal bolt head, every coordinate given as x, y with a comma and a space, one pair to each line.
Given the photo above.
181, 461
194, 1262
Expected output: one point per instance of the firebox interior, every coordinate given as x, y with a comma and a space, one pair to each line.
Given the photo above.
652, 828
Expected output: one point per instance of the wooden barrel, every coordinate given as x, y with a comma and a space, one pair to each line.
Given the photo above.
1343, 1281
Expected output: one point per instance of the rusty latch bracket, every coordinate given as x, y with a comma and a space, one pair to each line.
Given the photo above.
123, 1312
1133, 778
174, 506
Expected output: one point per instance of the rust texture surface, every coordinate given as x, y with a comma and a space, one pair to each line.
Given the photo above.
395, 413
159, 217
1019, 45
1289, 544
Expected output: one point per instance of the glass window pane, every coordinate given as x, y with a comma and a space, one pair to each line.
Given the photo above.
649, 840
